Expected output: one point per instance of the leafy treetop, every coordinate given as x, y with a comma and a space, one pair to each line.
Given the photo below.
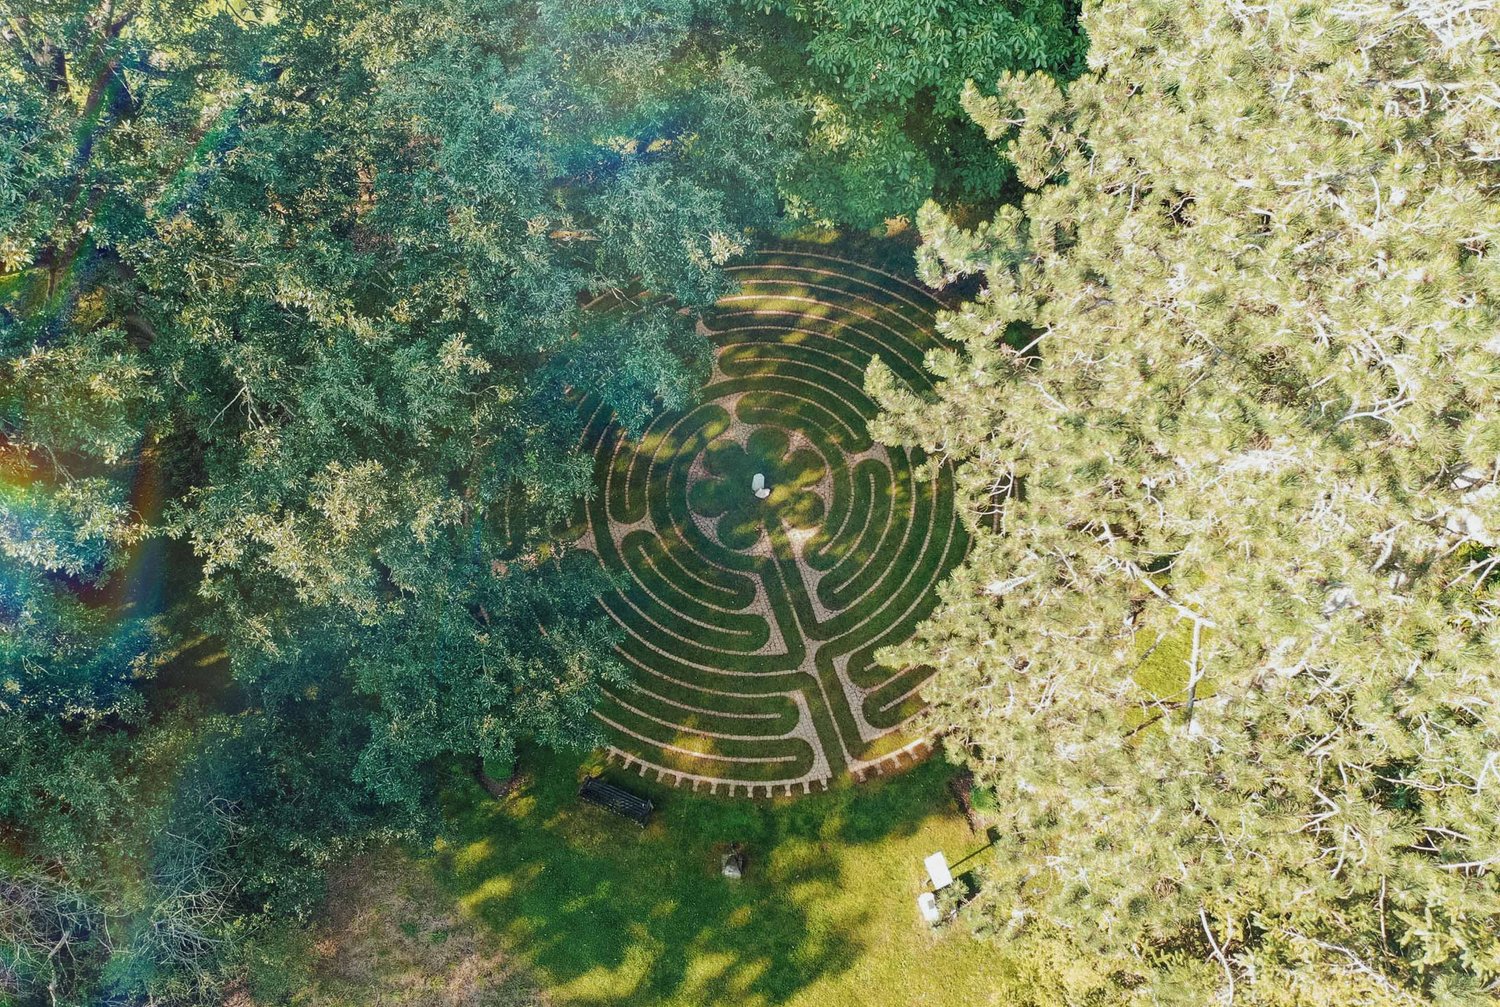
1230, 387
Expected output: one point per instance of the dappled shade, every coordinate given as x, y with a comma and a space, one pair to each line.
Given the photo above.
732, 493
753, 623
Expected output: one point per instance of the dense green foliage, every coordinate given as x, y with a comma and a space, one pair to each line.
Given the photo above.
886, 130
326, 268
1231, 388
347, 316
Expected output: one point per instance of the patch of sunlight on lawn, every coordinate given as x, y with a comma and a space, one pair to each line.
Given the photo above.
498, 887
474, 853
611, 914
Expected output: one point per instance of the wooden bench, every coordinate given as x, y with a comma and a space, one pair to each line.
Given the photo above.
616, 799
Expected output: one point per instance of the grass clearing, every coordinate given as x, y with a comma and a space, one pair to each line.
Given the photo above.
607, 913
1164, 658
388, 938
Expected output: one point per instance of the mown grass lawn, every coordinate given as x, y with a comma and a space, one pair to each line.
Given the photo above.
608, 913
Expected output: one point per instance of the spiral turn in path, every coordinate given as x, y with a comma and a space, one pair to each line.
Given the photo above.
752, 619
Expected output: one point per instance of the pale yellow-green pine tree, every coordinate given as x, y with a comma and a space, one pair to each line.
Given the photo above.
1228, 422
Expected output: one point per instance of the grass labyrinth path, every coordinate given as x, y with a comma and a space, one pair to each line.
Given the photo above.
752, 619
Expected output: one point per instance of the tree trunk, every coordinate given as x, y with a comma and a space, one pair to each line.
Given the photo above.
962, 787
498, 789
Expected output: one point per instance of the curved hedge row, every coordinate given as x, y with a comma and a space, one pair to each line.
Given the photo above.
751, 621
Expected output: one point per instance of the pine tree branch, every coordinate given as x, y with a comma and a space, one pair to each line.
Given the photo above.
1218, 953
1179, 608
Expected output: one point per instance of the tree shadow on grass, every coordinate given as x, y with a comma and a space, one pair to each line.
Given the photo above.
613, 914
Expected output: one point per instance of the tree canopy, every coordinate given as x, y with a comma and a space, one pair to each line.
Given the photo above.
335, 274
1225, 409
307, 296
886, 129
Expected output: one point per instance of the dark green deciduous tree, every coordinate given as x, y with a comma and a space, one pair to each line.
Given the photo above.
886, 129
341, 269
378, 309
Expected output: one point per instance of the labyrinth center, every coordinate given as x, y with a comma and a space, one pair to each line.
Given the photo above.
768, 547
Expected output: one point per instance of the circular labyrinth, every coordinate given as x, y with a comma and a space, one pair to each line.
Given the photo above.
768, 548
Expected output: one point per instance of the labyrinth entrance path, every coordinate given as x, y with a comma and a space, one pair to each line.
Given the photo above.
752, 619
